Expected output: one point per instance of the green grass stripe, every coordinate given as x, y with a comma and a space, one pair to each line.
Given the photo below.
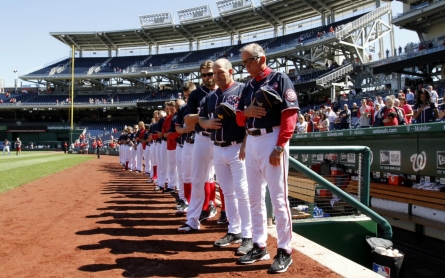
25, 163
24, 171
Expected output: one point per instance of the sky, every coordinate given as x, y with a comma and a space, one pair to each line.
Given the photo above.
26, 24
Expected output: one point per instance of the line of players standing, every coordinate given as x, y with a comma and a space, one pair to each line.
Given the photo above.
188, 142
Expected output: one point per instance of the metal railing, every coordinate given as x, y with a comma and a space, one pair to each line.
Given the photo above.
359, 22
363, 204
337, 74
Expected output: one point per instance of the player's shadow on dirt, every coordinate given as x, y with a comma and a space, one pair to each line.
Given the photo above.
142, 202
165, 247
119, 208
143, 267
119, 215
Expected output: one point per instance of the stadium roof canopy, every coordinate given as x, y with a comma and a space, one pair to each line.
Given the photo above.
269, 14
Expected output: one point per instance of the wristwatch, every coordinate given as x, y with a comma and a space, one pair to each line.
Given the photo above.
279, 149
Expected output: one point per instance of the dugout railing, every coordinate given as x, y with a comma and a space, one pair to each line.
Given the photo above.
317, 190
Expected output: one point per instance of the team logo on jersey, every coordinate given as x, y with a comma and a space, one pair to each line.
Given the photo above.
260, 104
233, 100
290, 95
275, 86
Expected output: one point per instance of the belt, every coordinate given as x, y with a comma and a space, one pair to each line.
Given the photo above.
181, 145
205, 133
260, 131
190, 141
164, 139
226, 144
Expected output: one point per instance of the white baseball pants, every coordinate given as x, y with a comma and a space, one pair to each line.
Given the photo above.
259, 173
231, 174
201, 162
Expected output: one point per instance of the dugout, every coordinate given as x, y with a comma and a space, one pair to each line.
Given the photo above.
51, 137
407, 171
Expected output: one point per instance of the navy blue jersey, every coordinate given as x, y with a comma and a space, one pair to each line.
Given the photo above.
127, 139
159, 128
133, 137
182, 112
195, 102
153, 129
122, 139
146, 135
182, 137
281, 83
427, 115
230, 131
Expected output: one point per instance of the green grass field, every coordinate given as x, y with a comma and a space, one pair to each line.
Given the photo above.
28, 166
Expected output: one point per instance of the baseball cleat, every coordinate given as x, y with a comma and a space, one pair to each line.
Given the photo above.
182, 210
228, 239
246, 245
185, 229
222, 218
255, 254
281, 261
212, 211
168, 190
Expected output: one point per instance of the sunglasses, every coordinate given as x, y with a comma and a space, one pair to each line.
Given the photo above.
210, 74
249, 60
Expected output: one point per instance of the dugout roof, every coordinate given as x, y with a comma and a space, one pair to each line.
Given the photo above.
268, 14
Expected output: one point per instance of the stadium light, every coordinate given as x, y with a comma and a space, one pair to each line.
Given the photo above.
16, 80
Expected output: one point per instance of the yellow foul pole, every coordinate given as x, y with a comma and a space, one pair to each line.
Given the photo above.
72, 88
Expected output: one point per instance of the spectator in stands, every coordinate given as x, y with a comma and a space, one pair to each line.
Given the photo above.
331, 30
337, 121
433, 94
442, 109
389, 115
376, 110
387, 53
379, 100
354, 115
316, 120
395, 51
407, 109
301, 126
443, 43
331, 117
425, 110
310, 123
409, 96
364, 114
400, 50
324, 123
345, 118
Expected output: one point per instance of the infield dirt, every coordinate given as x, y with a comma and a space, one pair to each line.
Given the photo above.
93, 220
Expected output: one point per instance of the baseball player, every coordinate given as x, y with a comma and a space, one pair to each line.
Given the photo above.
187, 133
18, 146
121, 143
147, 158
129, 148
154, 147
198, 209
230, 169
133, 158
161, 152
6, 147
170, 134
266, 151
139, 138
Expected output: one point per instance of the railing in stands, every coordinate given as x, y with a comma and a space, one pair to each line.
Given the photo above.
332, 76
351, 26
45, 65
